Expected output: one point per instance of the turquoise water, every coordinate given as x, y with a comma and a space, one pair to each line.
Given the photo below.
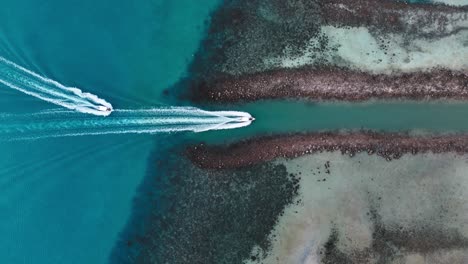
389, 116
66, 200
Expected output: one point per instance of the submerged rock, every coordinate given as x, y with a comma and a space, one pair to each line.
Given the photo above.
338, 49
212, 216
386, 145
334, 84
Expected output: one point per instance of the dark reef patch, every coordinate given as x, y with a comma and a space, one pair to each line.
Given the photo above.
244, 34
391, 243
333, 84
387, 145
394, 16
331, 254
210, 216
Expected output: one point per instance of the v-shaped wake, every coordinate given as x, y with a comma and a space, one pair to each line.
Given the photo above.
86, 119
62, 123
33, 84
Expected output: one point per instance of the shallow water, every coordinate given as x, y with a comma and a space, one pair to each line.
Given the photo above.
77, 199
66, 200
293, 116
367, 210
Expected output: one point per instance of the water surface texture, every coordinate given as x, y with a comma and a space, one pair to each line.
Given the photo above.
66, 200
124, 189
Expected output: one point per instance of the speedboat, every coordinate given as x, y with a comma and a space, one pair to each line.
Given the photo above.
246, 119
104, 108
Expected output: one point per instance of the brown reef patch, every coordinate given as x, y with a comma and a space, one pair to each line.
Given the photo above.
333, 84
257, 150
244, 33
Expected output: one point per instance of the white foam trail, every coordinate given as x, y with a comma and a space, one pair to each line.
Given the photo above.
61, 123
31, 83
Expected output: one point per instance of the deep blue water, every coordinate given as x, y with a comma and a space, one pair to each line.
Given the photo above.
66, 200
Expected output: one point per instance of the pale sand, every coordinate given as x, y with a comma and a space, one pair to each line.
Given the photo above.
452, 2
421, 191
359, 49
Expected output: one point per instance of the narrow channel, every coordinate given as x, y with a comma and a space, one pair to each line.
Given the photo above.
279, 117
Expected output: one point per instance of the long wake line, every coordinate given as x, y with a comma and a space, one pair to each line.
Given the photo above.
88, 109
31, 83
62, 123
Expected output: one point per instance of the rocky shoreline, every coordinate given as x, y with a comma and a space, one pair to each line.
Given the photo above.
333, 84
386, 145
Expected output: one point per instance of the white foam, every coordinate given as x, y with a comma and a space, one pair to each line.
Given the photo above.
61, 123
357, 48
31, 83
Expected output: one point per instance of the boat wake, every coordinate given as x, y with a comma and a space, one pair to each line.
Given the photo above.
28, 82
62, 123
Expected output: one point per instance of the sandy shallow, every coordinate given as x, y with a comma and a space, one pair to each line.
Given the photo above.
363, 197
366, 210
452, 2
331, 50
395, 16
407, 204
362, 49
255, 36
